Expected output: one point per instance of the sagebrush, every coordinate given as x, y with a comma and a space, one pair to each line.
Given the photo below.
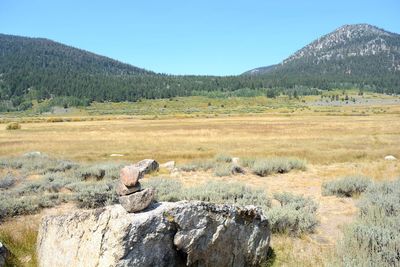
348, 186
373, 239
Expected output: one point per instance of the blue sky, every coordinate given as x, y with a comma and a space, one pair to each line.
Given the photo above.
191, 37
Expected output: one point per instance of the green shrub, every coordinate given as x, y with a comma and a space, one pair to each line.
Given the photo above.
7, 181
232, 193
347, 186
197, 165
373, 239
227, 169
107, 171
11, 205
62, 166
217, 192
223, 169
13, 126
223, 158
264, 167
167, 189
295, 216
32, 163
247, 162
94, 195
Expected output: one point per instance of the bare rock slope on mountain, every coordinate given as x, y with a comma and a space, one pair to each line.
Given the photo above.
353, 51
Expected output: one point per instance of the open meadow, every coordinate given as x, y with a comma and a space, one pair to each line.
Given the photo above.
334, 142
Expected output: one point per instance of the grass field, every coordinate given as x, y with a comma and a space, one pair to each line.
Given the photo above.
318, 137
336, 141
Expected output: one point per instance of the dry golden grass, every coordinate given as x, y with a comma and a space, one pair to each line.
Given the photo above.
334, 146
319, 138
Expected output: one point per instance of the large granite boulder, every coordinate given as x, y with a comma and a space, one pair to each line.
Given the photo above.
168, 234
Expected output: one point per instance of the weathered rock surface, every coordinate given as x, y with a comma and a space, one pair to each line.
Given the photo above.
147, 165
4, 254
137, 201
130, 175
123, 190
169, 234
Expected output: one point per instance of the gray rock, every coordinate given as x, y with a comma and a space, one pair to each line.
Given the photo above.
237, 169
116, 155
236, 160
130, 175
137, 201
123, 190
170, 234
390, 157
33, 154
170, 165
147, 165
4, 254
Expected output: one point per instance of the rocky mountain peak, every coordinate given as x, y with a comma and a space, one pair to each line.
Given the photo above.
346, 41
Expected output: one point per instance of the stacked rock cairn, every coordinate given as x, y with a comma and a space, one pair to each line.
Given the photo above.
131, 196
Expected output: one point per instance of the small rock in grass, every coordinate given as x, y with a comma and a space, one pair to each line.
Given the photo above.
170, 165
147, 165
116, 155
235, 161
390, 157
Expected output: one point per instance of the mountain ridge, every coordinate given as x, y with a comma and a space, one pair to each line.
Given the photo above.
361, 56
350, 40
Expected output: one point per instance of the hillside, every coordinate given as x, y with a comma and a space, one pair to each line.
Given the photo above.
359, 54
37, 69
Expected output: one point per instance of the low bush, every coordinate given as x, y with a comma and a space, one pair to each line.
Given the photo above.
233, 193
264, 167
94, 195
296, 215
373, 239
167, 189
223, 169
223, 158
11, 205
32, 163
247, 162
347, 186
217, 192
107, 171
7, 181
13, 126
58, 180
197, 165
55, 120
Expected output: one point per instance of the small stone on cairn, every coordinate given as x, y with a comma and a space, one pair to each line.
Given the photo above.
131, 196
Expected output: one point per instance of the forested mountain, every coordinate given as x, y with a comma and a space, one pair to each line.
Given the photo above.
35, 69
357, 54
